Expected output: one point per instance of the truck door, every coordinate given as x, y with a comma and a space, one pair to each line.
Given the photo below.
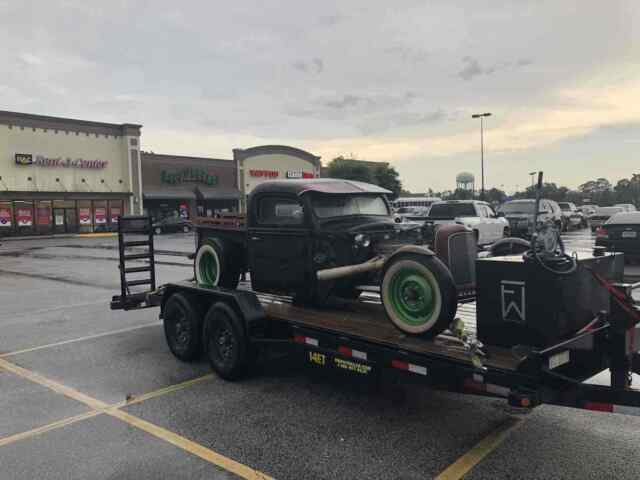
278, 244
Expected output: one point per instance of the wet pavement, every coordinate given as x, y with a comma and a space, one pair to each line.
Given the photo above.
86, 392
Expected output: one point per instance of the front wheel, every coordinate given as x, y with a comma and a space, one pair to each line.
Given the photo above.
419, 294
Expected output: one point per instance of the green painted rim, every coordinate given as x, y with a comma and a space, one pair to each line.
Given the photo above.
209, 268
412, 296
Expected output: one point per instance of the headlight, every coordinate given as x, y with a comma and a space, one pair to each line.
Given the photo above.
362, 240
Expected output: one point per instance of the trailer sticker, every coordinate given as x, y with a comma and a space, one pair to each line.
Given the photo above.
350, 352
306, 340
400, 365
559, 359
318, 358
351, 366
512, 297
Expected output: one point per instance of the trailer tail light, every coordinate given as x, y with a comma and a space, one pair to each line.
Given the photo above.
601, 233
350, 352
476, 385
409, 367
306, 340
599, 406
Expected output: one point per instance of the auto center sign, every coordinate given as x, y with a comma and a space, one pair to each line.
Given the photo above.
27, 159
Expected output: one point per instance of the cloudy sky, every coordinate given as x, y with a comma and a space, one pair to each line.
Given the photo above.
390, 81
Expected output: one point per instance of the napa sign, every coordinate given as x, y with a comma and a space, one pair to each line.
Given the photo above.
188, 175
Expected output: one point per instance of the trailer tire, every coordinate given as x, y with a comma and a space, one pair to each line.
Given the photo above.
182, 323
418, 294
214, 265
225, 342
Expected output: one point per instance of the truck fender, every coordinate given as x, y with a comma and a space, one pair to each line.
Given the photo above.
418, 249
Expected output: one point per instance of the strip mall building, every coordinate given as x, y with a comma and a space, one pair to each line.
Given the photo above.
60, 175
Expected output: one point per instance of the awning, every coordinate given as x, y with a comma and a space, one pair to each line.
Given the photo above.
218, 194
169, 194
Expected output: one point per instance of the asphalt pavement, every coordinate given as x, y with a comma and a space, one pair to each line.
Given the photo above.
86, 392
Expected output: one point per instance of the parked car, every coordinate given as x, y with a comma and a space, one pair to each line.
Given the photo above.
478, 216
621, 233
626, 207
171, 224
601, 215
411, 214
520, 213
573, 217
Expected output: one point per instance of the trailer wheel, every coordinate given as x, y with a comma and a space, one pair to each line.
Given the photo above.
183, 327
214, 266
225, 342
419, 294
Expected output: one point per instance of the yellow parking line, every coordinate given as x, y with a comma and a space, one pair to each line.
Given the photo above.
484, 447
46, 428
192, 447
155, 430
163, 391
53, 385
80, 339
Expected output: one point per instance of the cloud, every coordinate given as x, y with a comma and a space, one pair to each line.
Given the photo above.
315, 65
472, 67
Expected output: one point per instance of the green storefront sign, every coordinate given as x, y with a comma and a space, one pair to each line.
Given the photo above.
188, 175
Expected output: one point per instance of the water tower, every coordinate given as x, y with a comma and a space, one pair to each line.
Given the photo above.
465, 181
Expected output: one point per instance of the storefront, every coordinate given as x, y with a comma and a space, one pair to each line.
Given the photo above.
174, 185
271, 162
61, 175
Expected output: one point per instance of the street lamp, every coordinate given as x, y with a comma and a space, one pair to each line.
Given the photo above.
532, 174
481, 117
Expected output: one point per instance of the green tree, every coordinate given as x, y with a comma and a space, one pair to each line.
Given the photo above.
380, 174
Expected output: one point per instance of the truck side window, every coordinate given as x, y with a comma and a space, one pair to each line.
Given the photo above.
280, 211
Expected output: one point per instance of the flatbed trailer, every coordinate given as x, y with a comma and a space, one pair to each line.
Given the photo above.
355, 337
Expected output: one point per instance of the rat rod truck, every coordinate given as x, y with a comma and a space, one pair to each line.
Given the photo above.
315, 250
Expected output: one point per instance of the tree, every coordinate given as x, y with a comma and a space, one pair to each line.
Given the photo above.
380, 174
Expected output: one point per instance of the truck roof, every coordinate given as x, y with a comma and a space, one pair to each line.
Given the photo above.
321, 185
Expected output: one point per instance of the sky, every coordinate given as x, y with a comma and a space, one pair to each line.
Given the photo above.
383, 81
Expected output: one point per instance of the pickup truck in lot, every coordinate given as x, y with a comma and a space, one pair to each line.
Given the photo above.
317, 239
478, 216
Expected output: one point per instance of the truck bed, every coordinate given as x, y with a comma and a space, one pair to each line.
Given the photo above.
366, 320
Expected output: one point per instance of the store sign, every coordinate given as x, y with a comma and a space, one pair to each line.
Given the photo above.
188, 175
24, 217
5, 217
54, 162
101, 215
115, 213
264, 173
84, 216
299, 174
43, 215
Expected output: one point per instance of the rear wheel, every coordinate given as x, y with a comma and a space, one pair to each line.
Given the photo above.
214, 266
183, 327
419, 294
226, 344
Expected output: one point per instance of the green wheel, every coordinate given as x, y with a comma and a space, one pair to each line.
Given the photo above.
214, 266
418, 294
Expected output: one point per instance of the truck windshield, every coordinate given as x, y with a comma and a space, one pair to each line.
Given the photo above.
452, 210
327, 206
518, 207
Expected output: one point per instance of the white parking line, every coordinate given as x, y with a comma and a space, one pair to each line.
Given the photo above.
80, 339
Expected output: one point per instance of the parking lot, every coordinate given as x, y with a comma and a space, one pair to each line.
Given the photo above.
91, 393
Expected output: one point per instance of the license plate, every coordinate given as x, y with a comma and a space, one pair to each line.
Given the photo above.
629, 234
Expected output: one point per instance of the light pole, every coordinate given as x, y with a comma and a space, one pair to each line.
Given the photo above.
532, 174
481, 117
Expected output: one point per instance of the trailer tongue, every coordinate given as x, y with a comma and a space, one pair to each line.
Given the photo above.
233, 326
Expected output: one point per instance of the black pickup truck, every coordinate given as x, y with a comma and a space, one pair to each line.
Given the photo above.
316, 239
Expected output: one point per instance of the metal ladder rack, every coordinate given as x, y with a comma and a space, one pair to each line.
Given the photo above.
128, 225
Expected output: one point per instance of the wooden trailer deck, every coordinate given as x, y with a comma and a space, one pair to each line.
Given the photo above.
365, 320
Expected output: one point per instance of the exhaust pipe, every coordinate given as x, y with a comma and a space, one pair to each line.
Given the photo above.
349, 270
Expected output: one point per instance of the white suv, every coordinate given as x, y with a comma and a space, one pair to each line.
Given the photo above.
473, 214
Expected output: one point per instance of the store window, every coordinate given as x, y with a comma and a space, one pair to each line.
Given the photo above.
6, 219
85, 224
115, 211
100, 220
23, 217
43, 217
